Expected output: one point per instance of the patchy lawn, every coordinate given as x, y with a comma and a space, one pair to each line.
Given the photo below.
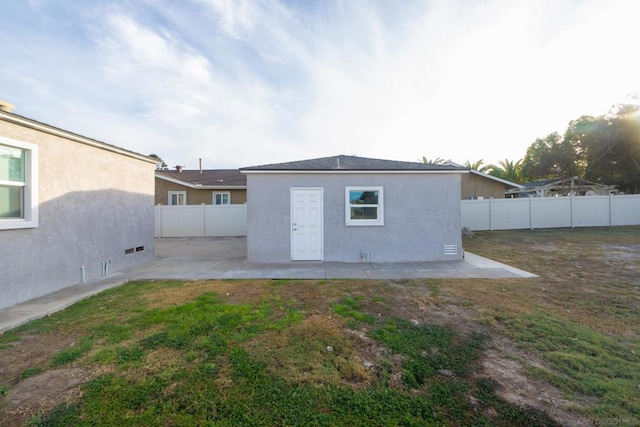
561, 349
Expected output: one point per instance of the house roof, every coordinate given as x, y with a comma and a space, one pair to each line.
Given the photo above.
559, 181
557, 184
212, 178
42, 127
486, 175
353, 163
495, 178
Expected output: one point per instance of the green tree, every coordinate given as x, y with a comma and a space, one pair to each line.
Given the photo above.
627, 121
162, 166
477, 165
507, 169
550, 157
608, 147
436, 161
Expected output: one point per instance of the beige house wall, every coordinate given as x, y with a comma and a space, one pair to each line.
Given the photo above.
94, 204
474, 186
194, 196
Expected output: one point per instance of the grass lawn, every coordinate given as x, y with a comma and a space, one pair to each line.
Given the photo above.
561, 349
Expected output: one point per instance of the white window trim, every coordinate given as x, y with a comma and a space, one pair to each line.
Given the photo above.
364, 222
30, 193
171, 193
215, 193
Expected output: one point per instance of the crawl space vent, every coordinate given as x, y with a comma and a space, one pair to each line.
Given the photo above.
451, 249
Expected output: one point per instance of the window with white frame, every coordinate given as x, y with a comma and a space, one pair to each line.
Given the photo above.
177, 198
364, 206
222, 198
18, 184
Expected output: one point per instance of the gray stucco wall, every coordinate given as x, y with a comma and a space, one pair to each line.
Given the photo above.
94, 204
421, 215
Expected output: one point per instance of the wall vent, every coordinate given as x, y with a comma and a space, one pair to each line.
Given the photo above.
451, 249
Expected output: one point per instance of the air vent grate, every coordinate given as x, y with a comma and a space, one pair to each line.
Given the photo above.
451, 249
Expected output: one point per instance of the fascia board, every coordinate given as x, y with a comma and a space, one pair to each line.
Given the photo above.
386, 172
495, 178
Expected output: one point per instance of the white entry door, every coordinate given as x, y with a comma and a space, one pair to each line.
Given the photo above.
306, 224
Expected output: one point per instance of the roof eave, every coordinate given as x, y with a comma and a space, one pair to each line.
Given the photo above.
32, 124
495, 178
353, 171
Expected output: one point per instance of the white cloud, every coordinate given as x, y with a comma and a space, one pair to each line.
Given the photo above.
244, 82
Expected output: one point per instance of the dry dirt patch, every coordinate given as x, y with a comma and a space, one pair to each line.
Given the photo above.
232, 291
31, 351
42, 393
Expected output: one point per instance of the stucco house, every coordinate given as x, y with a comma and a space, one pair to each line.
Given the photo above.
479, 185
353, 209
72, 209
195, 187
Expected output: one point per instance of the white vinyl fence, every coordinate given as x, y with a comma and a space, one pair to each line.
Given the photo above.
477, 215
201, 221
550, 212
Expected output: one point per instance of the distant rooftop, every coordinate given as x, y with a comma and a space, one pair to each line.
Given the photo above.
217, 177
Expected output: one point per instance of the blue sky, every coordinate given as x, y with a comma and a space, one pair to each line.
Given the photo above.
243, 83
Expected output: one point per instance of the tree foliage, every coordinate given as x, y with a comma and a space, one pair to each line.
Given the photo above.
436, 161
549, 157
477, 165
162, 166
507, 169
603, 149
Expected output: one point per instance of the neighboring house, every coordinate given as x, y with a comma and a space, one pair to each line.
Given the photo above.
72, 209
353, 209
195, 187
561, 187
478, 185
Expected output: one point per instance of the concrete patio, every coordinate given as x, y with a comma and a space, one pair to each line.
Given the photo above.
226, 258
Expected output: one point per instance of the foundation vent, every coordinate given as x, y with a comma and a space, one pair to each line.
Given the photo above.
451, 249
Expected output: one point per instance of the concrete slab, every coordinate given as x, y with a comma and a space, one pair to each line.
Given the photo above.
226, 258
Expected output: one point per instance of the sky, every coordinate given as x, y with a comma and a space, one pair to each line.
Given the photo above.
243, 83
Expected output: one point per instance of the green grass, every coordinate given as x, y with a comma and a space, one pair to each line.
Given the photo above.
30, 372
429, 349
207, 361
584, 362
350, 307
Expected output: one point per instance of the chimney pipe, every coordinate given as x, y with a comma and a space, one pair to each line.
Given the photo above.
200, 165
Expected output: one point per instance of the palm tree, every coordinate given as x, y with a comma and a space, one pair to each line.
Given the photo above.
436, 161
478, 166
507, 169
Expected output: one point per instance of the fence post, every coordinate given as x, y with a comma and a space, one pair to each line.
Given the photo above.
491, 214
571, 210
159, 219
610, 210
530, 213
204, 220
